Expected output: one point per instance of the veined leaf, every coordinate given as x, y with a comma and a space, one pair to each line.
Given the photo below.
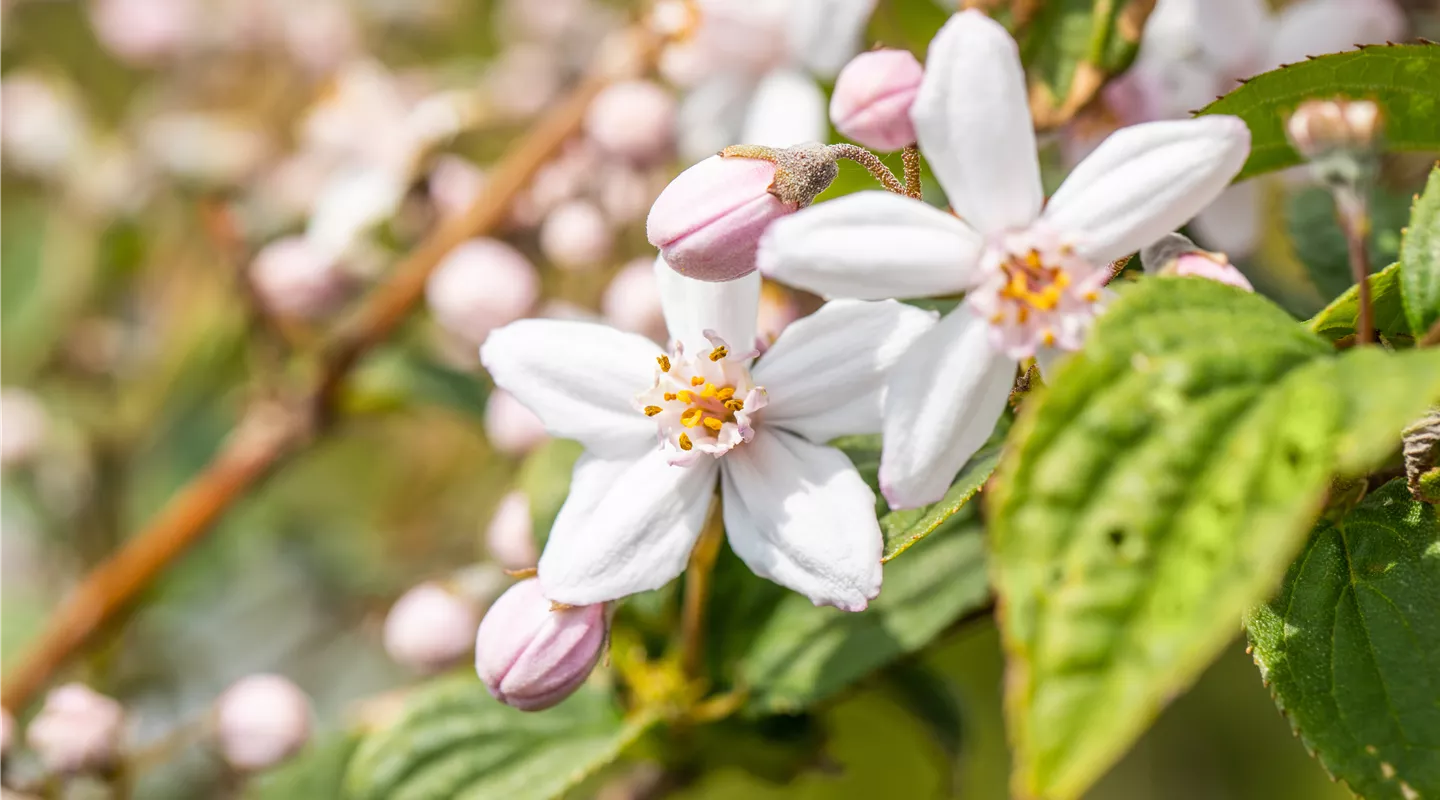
1398, 77
1156, 491
1337, 320
1420, 255
1350, 646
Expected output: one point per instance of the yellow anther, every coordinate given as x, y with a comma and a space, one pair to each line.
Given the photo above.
1092, 296
725, 393
696, 380
1062, 279
735, 404
1032, 259
651, 411
664, 362
719, 353
709, 391
691, 417
670, 395
1049, 338
684, 442
686, 397
713, 424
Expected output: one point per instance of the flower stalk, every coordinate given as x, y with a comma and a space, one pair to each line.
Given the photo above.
911, 157
872, 164
697, 591
1353, 211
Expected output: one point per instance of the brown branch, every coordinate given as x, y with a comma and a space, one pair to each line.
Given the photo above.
268, 434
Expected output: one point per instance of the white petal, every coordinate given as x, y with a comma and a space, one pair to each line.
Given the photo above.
580, 378
871, 246
800, 514
1317, 27
972, 118
787, 108
824, 34
1231, 224
627, 526
1145, 181
691, 307
712, 115
825, 376
943, 400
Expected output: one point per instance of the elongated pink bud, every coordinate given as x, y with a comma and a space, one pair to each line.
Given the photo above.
1176, 255
77, 730
532, 656
872, 98
261, 720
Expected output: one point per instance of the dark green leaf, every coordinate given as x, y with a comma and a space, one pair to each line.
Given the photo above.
1398, 77
397, 377
1158, 489
1320, 244
1070, 47
1420, 255
1337, 320
1350, 646
455, 741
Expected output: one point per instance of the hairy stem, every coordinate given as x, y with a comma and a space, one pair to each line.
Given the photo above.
870, 162
697, 591
1354, 214
911, 157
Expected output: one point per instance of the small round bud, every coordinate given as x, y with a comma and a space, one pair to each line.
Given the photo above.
633, 120
510, 537
632, 300
576, 236
292, 277
481, 285
531, 655
77, 730
872, 98
1319, 128
143, 32
261, 721
511, 428
454, 185
523, 80
42, 126
625, 194
23, 424
430, 628
708, 221
1176, 255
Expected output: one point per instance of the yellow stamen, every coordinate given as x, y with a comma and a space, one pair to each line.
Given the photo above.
664, 362
669, 395
1049, 338
1091, 297
713, 424
691, 417
1032, 259
725, 393
709, 391
696, 380
719, 353
684, 442
735, 404
651, 411
686, 397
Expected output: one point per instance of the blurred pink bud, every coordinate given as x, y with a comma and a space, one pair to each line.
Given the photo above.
576, 236
872, 98
23, 424
625, 194
632, 300
145, 31
511, 428
454, 184
42, 126
532, 657
292, 277
261, 720
633, 119
1177, 255
7, 731
430, 628
77, 730
510, 538
777, 310
481, 285
523, 80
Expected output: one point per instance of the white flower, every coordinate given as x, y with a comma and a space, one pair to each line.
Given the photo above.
749, 67
662, 428
1034, 278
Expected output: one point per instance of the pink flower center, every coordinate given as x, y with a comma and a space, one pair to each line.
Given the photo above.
1037, 292
702, 405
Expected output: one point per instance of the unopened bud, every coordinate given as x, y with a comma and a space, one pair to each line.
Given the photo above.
454, 185
42, 125
261, 721
872, 98
633, 119
430, 628
1178, 256
531, 655
7, 731
23, 424
77, 730
708, 221
510, 537
293, 277
632, 300
1338, 137
777, 310
576, 236
511, 428
481, 285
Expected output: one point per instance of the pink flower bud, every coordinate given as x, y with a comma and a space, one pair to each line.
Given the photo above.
42, 125
576, 236
511, 428
261, 720
872, 98
523, 80
481, 285
530, 656
455, 183
77, 730
7, 731
708, 221
293, 277
633, 120
1176, 255
625, 194
145, 31
777, 310
430, 628
632, 300
510, 538
23, 424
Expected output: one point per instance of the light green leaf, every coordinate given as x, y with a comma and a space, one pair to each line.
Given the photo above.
805, 654
318, 772
1337, 320
1156, 491
455, 741
1420, 253
1398, 77
1350, 646
397, 377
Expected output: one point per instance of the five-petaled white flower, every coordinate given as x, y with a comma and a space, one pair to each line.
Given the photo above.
661, 428
1033, 279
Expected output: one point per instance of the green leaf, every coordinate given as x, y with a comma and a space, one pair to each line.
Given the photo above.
1400, 78
397, 377
805, 654
455, 741
1337, 320
1320, 243
317, 772
1350, 646
1420, 253
1158, 489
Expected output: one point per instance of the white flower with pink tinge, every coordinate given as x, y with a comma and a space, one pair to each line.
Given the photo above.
1032, 273
661, 427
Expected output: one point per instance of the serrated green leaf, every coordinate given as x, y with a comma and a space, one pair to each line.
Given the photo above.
805, 654
1350, 645
1420, 255
1337, 320
455, 741
1400, 78
1154, 492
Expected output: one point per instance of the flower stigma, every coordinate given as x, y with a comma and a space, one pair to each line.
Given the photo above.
702, 404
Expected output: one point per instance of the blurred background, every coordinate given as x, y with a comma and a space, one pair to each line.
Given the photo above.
194, 190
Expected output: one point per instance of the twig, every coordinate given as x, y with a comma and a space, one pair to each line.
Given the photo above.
269, 434
870, 162
697, 591
911, 156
